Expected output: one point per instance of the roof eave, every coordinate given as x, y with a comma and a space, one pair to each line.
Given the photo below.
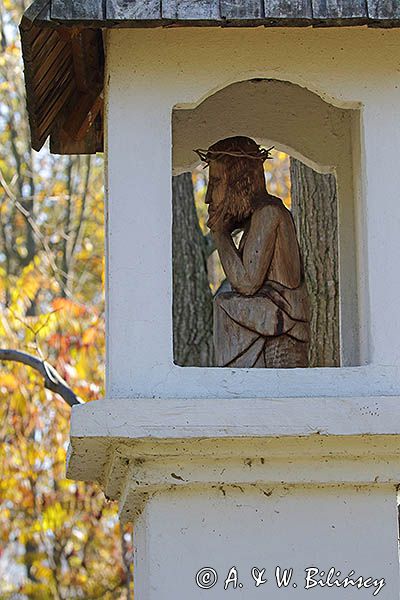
63, 53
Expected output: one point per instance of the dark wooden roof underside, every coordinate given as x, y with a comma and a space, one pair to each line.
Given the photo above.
63, 49
64, 82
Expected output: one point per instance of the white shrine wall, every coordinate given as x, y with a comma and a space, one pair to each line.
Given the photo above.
320, 527
149, 72
259, 467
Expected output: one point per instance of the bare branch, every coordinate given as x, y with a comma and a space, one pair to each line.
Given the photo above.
52, 380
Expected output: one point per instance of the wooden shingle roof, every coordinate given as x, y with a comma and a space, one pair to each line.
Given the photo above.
114, 13
63, 49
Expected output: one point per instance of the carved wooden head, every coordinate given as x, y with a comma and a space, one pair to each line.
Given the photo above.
236, 177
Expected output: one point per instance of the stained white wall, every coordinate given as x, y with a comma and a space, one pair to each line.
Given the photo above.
274, 111
183, 531
149, 73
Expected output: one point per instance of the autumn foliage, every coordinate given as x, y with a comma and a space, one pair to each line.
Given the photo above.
58, 538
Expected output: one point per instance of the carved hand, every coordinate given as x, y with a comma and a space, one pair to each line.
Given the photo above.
246, 272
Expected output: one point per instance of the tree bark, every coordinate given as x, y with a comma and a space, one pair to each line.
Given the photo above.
315, 212
192, 297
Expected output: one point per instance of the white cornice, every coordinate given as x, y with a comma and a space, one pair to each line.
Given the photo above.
135, 448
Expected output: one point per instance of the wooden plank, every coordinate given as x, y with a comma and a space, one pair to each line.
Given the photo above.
82, 76
287, 9
82, 115
43, 75
52, 57
384, 9
49, 80
58, 99
87, 54
132, 10
62, 143
47, 121
241, 9
191, 9
77, 10
339, 9
42, 45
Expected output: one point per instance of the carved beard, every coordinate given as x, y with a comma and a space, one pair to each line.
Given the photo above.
234, 208
230, 215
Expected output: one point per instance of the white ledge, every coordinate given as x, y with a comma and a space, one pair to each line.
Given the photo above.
294, 441
136, 448
253, 417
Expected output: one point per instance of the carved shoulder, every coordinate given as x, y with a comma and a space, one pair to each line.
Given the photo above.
270, 213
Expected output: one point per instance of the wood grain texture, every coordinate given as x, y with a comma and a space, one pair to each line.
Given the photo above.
383, 9
339, 9
191, 9
287, 9
315, 212
60, 65
77, 10
241, 9
268, 12
92, 142
192, 298
262, 320
133, 9
48, 78
79, 121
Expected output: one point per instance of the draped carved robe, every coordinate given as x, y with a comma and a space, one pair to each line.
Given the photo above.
261, 317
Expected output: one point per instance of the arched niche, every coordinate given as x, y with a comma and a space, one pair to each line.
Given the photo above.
298, 121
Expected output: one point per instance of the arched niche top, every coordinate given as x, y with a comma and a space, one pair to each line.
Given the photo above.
273, 112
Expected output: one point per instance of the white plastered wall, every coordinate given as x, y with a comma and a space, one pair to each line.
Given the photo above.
149, 72
349, 529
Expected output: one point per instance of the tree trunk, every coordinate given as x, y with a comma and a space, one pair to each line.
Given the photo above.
315, 211
192, 297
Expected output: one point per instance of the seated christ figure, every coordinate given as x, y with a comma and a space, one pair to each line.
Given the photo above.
261, 314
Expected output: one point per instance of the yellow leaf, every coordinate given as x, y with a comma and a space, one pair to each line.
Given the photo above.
8, 381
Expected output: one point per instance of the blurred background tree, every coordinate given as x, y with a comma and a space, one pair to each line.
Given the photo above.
58, 539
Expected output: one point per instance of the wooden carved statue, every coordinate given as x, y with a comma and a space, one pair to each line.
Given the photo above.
261, 314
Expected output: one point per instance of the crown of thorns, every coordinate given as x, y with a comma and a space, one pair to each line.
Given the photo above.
208, 156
